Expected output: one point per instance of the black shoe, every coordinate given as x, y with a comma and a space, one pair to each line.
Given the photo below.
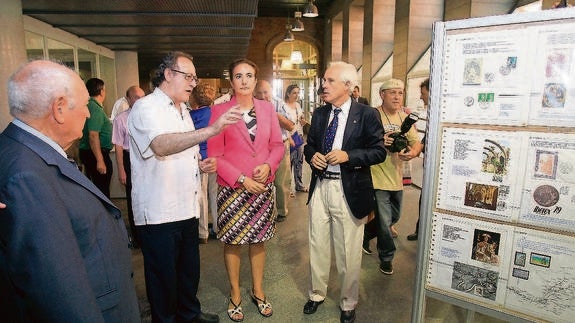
206, 318
347, 316
311, 306
412, 237
281, 218
386, 267
365, 248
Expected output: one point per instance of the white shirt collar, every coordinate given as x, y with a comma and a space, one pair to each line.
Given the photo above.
40, 136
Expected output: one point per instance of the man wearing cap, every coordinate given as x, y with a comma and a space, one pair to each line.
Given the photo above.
387, 176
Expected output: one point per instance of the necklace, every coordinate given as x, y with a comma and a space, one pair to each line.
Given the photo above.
389, 121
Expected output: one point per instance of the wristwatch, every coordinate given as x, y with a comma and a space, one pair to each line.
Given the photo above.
242, 179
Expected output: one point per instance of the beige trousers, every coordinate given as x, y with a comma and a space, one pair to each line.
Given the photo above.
332, 224
282, 182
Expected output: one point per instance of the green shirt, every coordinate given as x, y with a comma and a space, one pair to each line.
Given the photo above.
98, 122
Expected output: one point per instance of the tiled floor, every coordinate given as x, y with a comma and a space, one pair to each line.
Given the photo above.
383, 298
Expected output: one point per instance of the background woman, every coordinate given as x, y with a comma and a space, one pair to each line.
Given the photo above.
295, 113
202, 97
248, 154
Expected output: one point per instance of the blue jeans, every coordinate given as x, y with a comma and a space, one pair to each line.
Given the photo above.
296, 159
388, 213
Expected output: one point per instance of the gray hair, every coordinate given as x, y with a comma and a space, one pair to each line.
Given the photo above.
348, 73
35, 85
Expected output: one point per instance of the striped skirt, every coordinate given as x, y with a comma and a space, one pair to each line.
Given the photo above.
243, 217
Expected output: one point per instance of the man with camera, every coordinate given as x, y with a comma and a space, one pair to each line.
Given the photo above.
399, 138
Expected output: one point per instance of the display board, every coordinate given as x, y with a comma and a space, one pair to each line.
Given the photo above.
499, 233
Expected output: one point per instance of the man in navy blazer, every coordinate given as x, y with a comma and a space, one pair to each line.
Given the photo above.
64, 253
340, 171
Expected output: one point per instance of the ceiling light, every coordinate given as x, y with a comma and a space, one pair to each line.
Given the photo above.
298, 24
310, 10
286, 64
288, 36
296, 57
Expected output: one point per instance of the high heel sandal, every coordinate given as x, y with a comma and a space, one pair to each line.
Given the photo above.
234, 313
262, 305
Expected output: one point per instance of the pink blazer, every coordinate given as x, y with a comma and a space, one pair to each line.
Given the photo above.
234, 150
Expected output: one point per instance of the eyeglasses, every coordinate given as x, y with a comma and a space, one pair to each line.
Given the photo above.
187, 76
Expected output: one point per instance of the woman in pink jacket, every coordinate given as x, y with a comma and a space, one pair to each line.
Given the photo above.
248, 154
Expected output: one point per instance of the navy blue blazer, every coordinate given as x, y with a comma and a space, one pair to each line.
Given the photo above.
64, 253
362, 141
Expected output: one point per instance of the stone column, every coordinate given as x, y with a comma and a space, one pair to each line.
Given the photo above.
12, 51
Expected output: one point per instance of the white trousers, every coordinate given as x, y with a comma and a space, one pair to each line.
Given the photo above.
332, 224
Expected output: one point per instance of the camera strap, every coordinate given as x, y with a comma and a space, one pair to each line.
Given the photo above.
389, 121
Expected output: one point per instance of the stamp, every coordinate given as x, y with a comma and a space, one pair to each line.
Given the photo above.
546, 195
554, 95
538, 259
546, 164
520, 273
489, 77
512, 61
472, 71
520, 258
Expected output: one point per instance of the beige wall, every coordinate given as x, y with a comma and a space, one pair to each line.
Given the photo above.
12, 50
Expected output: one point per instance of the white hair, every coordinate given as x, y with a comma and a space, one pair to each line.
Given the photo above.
348, 73
33, 87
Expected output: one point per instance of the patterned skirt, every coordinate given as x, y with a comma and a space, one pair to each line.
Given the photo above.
243, 217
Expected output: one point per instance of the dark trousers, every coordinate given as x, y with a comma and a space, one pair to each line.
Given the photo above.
102, 181
172, 269
128, 168
419, 217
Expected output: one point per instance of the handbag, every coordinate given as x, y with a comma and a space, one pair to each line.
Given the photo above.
297, 139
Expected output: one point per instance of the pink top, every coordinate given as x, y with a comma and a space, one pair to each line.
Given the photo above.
235, 152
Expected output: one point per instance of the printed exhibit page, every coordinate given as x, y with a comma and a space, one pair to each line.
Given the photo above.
549, 188
542, 279
553, 81
469, 258
481, 172
486, 78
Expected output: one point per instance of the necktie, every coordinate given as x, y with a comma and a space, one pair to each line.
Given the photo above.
330, 132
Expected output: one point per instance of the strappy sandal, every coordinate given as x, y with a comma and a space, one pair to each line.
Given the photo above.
234, 313
262, 305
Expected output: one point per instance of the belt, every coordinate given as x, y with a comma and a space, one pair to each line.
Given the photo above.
329, 175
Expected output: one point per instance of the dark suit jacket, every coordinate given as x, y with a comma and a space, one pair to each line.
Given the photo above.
361, 100
362, 141
64, 253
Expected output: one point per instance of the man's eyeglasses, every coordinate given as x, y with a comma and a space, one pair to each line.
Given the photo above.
187, 76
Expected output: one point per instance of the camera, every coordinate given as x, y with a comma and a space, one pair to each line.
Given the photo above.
399, 139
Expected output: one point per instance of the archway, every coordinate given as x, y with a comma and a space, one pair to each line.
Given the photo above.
297, 62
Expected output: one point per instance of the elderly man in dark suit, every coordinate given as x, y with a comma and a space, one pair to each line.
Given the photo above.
345, 138
64, 253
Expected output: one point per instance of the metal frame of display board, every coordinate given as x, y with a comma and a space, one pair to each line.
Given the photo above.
432, 154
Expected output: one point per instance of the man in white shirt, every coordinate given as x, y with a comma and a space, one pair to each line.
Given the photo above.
166, 166
120, 106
